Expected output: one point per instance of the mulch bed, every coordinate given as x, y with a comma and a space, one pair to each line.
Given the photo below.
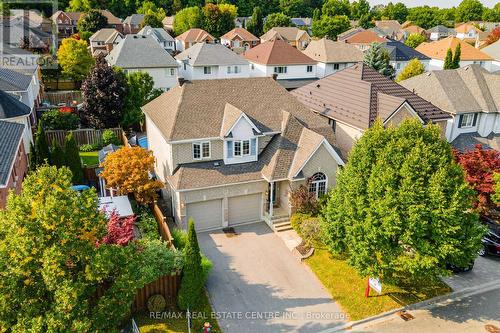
303, 248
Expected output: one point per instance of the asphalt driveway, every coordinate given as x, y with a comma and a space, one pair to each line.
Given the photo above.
486, 270
257, 285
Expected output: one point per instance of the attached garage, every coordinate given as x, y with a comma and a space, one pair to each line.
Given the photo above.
206, 214
245, 208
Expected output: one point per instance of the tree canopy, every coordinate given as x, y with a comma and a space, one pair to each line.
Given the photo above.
401, 209
92, 21
75, 59
469, 10
414, 68
277, 20
414, 40
330, 26
377, 58
188, 18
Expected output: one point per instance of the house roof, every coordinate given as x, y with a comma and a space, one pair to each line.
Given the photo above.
286, 33
161, 34
327, 51
465, 28
392, 25
364, 37
112, 19
106, 35
301, 21
400, 52
168, 20
467, 89
438, 49
10, 139
414, 29
194, 35
243, 33
342, 36
359, 94
134, 19
75, 16
10, 107
493, 50
138, 51
11, 80
276, 52
208, 54
441, 29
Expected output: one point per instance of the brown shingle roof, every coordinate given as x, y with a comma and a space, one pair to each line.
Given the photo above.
364, 37
359, 94
277, 52
328, 51
195, 35
243, 33
288, 34
438, 49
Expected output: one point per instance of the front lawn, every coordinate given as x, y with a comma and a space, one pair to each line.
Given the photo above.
89, 158
201, 315
348, 288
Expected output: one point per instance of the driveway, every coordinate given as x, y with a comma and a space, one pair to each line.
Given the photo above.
486, 270
257, 285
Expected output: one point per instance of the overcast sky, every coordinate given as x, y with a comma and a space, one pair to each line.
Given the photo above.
437, 3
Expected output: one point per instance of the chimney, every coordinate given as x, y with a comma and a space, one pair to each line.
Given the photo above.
181, 81
275, 77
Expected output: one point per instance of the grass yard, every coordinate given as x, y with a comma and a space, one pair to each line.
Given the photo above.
348, 288
89, 158
179, 325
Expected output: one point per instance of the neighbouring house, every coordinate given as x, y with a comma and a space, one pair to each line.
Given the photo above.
292, 35
467, 32
14, 165
133, 23
138, 53
234, 157
400, 55
413, 30
391, 28
168, 23
66, 22
211, 61
363, 39
161, 36
191, 37
352, 99
332, 56
15, 33
471, 95
12, 110
104, 40
113, 21
486, 26
439, 32
33, 17
104, 191
469, 55
277, 58
493, 50
346, 34
303, 23
239, 40
481, 39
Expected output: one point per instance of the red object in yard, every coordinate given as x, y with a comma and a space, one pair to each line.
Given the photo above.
367, 290
66, 109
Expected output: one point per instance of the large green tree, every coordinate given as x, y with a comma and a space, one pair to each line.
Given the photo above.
92, 21
277, 20
425, 16
336, 7
256, 24
218, 19
330, 26
42, 152
377, 58
187, 18
103, 93
72, 159
469, 10
75, 59
396, 11
414, 68
359, 9
414, 40
401, 209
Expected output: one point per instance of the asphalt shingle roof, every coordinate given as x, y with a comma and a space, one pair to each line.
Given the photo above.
11, 107
208, 54
160, 33
134, 19
12, 134
11, 80
138, 51
328, 51
277, 52
400, 52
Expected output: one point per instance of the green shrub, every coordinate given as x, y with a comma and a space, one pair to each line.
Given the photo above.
147, 224
297, 219
109, 137
89, 147
179, 238
56, 120
206, 266
156, 303
310, 231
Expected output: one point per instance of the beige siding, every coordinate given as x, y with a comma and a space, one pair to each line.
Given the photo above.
322, 161
183, 152
346, 136
442, 125
400, 115
160, 149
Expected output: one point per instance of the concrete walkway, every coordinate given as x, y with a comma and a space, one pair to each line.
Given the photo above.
257, 285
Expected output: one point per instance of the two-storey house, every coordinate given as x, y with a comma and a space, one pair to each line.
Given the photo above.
239, 40
292, 35
231, 151
104, 40
133, 23
439, 32
191, 37
14, 111
161, 36
362, 39
471, 95
211, 61
400, 55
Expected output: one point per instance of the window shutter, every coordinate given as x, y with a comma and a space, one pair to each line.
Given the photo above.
229, 149
475, 119
460, 121
253, 147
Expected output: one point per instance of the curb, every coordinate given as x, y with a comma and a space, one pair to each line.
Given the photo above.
427, 304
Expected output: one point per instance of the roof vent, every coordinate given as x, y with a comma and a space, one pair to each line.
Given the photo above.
318, 85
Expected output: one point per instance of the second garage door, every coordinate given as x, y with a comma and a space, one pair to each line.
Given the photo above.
245, 208
206, 214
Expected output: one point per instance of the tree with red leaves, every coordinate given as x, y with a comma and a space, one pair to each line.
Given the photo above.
493, 36
480, 165
120, 230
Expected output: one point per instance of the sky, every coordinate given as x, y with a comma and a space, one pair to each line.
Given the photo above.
432, 3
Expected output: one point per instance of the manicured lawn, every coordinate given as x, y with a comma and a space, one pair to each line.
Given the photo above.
348, 288
177, 325
89, 158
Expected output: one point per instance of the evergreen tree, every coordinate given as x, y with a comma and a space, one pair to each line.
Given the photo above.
56, 155
41, 145
32, 158
456, 57
378, 58
256, 24
72, 159
192, 274
448, 60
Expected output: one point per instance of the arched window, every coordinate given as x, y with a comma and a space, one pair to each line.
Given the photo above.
317, 184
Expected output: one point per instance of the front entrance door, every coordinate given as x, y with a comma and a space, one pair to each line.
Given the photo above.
273, 193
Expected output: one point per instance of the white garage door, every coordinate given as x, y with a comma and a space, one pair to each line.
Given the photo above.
245, 208
206, 214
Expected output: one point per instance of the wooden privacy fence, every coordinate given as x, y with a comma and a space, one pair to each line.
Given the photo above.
167, 286
59, 97
82, 136
162, 225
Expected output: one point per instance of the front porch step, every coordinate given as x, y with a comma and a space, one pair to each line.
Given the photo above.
282, 226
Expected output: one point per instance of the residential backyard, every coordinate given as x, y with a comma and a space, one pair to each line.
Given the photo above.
348, 288
89, 158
